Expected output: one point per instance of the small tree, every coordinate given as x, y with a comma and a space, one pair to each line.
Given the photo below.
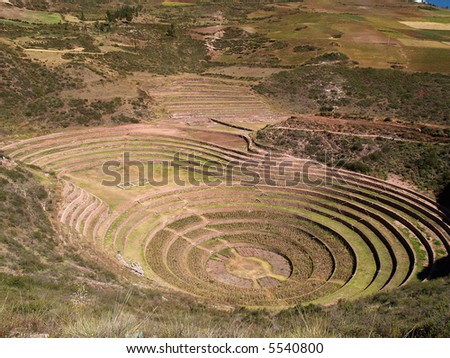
125, 12
109, 16
171, 30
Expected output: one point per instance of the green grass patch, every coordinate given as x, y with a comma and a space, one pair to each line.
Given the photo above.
47, 18
177, 3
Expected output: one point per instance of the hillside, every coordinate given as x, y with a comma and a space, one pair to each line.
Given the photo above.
340, 91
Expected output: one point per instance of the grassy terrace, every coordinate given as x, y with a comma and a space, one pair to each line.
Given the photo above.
352, 237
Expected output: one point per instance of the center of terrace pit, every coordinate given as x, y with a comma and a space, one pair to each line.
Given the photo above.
235, 266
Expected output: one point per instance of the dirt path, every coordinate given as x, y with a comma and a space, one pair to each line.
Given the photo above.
350, 134
78, 50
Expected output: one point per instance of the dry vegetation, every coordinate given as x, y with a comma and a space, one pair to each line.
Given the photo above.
362, 93
417, 153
